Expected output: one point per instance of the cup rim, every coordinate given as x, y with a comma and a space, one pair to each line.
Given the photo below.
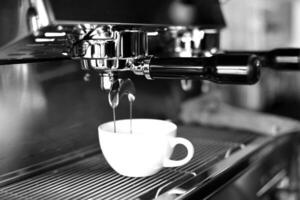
173, 125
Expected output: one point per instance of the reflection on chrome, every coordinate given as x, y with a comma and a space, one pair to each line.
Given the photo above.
22, 105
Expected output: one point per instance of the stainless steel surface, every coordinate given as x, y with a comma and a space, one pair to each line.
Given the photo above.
92, 178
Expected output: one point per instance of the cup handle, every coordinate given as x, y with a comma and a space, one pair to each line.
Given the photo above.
190, 152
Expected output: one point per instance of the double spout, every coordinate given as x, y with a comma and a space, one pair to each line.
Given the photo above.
119, 89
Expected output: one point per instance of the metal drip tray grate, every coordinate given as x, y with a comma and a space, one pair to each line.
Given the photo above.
91, 178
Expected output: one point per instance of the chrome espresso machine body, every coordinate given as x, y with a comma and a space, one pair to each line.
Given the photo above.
52, 151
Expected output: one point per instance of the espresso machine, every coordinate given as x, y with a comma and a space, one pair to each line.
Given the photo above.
61, 59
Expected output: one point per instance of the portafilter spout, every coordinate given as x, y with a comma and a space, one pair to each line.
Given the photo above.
119, 89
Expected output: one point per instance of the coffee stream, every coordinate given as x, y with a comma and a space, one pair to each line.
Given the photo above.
131, 99
119, 89
114, 118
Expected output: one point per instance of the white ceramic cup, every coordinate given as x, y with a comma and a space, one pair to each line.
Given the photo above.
144, 151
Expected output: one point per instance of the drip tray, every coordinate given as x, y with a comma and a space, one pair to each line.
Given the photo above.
91, 178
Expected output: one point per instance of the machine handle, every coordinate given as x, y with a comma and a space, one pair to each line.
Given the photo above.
283, 59
221, 68
278, 59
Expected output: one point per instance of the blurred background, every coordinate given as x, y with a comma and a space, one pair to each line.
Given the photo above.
262, 25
